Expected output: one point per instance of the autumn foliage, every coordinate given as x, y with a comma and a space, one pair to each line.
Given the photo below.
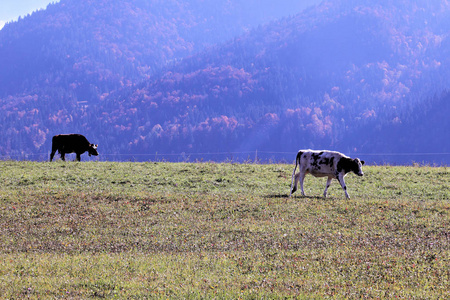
175, 76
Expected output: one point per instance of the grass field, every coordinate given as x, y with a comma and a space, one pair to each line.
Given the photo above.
224, 231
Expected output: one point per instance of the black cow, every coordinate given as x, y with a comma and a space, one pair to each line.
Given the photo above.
72, 143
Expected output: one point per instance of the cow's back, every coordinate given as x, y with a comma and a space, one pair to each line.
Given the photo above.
319, 163
69, 141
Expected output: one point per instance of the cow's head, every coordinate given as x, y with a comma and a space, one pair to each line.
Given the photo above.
92, 150
357, 167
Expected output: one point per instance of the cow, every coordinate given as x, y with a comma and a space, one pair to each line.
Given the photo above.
329, 164
72, 143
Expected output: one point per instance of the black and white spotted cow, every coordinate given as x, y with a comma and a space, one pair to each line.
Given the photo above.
329, 164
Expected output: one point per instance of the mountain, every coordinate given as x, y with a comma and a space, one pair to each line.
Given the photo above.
79, 44
424, 135
145, 77
59, 63
323, 78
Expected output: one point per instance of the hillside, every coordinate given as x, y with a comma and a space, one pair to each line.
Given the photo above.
145, 77
116, 42
59, 63
320, 79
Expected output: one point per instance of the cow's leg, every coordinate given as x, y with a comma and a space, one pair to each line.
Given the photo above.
340, 178
52, 154
63, 156
301, 176
78, 156
328, 185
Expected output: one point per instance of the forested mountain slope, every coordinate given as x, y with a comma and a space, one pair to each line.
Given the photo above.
95, 46
321, 79
173, 76
58, 64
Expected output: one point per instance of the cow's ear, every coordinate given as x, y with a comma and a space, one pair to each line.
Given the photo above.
357, 159
363, 162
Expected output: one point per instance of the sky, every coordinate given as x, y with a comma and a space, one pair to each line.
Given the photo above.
10, 10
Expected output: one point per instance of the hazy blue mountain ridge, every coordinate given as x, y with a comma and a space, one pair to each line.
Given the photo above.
172, 76
303, 85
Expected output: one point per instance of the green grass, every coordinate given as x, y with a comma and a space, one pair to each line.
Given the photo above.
163, 230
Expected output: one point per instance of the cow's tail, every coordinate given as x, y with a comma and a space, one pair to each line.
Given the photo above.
297, 162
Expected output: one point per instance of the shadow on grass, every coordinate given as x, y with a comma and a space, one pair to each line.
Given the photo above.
277, 196
286, 196
296, 197
299, 197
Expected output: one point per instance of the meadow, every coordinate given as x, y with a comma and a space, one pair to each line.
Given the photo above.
224, 231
